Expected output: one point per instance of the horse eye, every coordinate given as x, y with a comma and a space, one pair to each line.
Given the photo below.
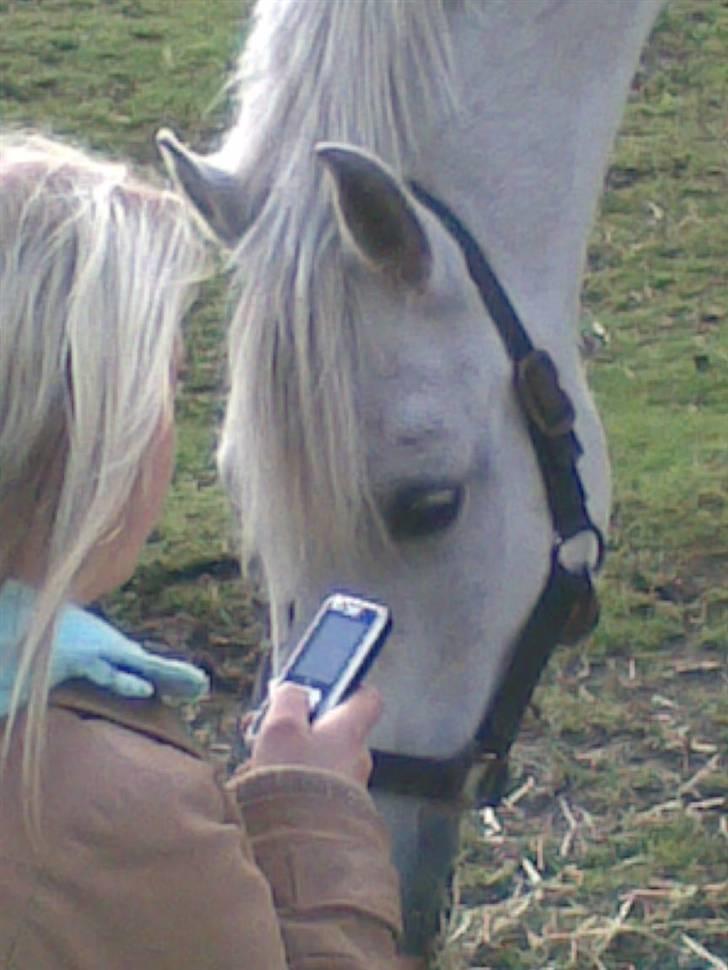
419, 511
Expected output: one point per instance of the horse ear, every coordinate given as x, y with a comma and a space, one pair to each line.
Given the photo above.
215, 193
377, 214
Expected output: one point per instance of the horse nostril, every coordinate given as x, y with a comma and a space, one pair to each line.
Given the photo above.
421, 510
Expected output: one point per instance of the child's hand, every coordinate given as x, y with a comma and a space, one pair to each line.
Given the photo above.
335, 742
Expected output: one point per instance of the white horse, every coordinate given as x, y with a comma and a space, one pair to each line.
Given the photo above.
374, 438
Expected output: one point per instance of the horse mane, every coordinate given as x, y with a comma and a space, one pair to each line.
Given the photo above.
370, 73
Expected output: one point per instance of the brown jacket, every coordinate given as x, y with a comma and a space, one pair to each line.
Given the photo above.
147, 863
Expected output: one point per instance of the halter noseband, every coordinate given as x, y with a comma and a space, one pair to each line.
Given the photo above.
566, 610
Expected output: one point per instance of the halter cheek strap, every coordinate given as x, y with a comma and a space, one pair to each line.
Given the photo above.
567, 608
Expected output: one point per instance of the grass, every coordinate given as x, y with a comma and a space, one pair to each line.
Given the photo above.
610, 848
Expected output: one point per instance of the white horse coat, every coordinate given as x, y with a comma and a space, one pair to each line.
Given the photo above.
372, 439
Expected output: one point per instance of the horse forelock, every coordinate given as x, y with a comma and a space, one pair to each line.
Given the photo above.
291, 423
292, 420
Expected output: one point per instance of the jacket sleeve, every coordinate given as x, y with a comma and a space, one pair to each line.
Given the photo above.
146, 862
325, 853
143, 861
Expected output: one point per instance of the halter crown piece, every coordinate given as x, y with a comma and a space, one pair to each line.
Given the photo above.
567, 609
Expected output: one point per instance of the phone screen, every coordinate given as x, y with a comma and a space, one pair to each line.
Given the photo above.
331, 647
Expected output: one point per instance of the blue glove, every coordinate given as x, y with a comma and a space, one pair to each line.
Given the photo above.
91, 649
88, 647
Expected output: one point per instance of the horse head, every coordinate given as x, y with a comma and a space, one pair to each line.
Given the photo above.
404, 371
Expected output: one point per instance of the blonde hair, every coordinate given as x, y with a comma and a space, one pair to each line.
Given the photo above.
96, 272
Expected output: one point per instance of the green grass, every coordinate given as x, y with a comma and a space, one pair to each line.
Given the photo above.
610, 848
113, 71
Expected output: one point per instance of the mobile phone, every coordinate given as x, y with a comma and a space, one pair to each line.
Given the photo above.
334, 654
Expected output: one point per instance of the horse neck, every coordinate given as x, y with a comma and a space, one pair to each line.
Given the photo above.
543, 87
368, 72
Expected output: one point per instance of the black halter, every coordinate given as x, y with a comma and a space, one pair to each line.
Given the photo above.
567, 608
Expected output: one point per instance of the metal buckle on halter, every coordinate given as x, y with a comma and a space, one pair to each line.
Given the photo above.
582, 551
542, 397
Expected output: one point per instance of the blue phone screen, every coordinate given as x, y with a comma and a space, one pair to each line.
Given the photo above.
331, 647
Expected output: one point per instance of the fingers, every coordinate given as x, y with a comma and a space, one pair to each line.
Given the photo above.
179, 679
120, 682
288, 700
336, 742
287, 711
285, 731
357, 715
362, 769
172, 677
